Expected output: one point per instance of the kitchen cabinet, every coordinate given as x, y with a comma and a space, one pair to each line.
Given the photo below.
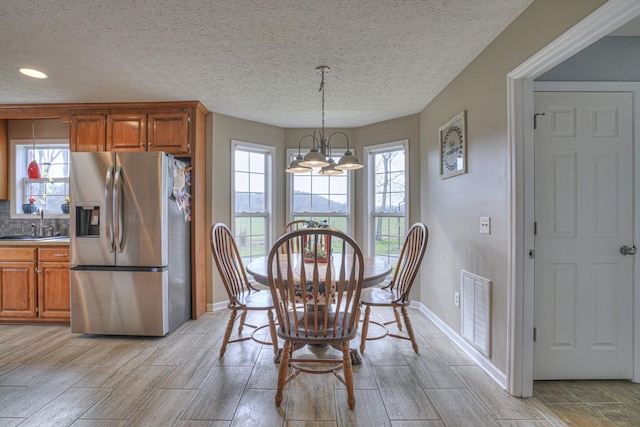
54, 283
147, 130
87, 132
34, 284
18, 283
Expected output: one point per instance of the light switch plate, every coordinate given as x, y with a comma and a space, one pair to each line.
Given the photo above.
485, 225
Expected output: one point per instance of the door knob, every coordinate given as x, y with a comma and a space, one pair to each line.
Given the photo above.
626, 250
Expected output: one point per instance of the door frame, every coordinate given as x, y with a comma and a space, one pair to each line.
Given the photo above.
520, 88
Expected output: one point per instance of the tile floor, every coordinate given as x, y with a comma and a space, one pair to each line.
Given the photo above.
51, 377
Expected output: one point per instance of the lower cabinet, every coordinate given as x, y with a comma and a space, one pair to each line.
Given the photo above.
34, 284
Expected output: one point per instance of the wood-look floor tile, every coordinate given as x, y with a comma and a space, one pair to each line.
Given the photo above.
243, 353
311, 398
363, 378
450, 352
173, 351
99, 354
310, 424
431, 370
224, 386
383, 352
162, 408
620, 414
10, 422
192, 371
30, 373
191, 423
500, 404
30, 399
99, 423
597, 391
66, 408
265, 370
421, 423
524, 423
7, 391
579, 415
129, 395
258, 408
402, 395
553, 392
369, 409
458, 407
117, 369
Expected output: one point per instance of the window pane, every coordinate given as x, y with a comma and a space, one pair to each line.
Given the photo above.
242, 160
256, 161
256, 183
241, 181
257, 202
302, 202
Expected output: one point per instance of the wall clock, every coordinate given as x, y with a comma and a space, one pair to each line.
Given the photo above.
453, 147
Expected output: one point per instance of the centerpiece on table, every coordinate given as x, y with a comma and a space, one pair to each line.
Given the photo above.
313, 249
30, 207
65, 206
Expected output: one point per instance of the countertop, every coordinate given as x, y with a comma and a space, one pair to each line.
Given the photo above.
42, 242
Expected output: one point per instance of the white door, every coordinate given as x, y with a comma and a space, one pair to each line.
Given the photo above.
584, 214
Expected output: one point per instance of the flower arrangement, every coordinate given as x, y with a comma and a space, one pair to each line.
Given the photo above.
32, 199
67, 200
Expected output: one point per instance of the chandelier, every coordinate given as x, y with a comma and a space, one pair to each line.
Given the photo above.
320, 153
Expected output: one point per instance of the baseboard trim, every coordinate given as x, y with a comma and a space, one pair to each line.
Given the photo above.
217, 306
475, 355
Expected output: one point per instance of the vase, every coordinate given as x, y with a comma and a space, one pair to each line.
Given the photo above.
65, 208
29, 208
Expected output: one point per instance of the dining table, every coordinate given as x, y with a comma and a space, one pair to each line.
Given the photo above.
376, 270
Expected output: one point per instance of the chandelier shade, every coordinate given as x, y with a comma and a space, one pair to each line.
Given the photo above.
320, 154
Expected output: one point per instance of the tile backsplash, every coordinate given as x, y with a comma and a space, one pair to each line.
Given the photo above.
10, 226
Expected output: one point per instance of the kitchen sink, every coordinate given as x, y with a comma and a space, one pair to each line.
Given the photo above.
29, 237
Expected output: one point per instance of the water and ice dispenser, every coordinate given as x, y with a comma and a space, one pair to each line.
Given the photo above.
87, 220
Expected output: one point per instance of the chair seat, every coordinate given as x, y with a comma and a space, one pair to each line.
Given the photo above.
321, 336
254, 300
381, 297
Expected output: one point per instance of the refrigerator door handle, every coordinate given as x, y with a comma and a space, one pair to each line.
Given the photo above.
108, 190
117, 208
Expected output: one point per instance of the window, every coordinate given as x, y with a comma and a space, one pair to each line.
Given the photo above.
320, 197
252, 198
51, 191
387, 198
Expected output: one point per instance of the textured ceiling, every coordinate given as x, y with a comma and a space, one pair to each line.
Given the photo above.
251, 59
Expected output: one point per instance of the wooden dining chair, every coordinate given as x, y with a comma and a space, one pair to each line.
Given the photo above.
316, 295
292, 226
396, 293
243, 297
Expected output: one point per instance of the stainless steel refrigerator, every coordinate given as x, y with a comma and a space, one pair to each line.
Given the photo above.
129, 243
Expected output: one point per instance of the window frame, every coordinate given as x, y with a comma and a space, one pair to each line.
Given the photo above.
14, 193
291, 154
369, 152
269, 151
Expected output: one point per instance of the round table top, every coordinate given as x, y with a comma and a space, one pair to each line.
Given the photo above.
376, 269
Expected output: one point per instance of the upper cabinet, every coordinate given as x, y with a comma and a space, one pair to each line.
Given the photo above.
87, 132
158, 129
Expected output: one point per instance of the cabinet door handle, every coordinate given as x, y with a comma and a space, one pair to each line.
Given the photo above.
60, 255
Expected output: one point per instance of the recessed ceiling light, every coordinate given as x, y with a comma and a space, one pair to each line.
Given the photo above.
33, 73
